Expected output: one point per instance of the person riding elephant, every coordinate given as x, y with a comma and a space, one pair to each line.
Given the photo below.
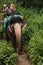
13, 8
8, 11
4, 11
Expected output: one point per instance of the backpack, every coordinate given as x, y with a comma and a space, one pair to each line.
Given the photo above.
8, 11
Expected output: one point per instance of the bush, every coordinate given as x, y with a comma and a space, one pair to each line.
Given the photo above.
35, 48
33, 35
28, 3
35, 44
7, 54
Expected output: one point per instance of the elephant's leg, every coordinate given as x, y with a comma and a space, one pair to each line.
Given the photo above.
8, 33
7, 37
14, 41
17, 28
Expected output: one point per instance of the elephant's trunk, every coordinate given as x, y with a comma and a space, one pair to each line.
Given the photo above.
17, 29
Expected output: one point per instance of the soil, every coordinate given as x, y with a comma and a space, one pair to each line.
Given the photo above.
22, 60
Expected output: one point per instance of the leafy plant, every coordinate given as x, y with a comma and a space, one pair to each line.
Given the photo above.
7, 54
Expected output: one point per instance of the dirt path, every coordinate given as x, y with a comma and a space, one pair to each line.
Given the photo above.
22, 60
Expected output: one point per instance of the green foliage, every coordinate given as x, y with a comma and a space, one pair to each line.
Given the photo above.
28, 3
32, 38
7, 54
35, 48
33, 34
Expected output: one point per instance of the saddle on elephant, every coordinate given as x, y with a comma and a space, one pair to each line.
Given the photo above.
13, 16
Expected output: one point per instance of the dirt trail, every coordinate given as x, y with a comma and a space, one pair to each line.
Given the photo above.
22, 60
